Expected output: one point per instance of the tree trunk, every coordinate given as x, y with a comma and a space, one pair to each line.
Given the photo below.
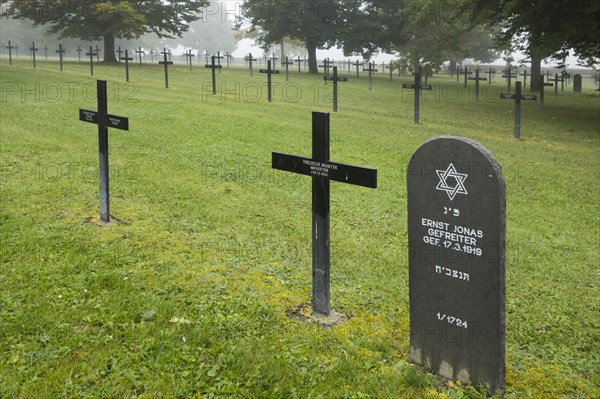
109, 48
536, 71
312, 58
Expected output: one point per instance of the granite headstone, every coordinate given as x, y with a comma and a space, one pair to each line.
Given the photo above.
456, 238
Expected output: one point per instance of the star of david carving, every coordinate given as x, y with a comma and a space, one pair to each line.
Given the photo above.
460, 178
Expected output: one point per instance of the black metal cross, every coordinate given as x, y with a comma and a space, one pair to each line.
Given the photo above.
371, 70
524, 74
490, 73
60, 52
79, 50
139, 52
206, 56
97, 53
299, 61
518, 97
250, 59
16, 50
91, 54
166, 63
269, 72
33, 49
542, 85
326, 65
508, 74
152, 55
127, 58
556, 80
391, 68
335, 79
188, 57
228, 58
104, 120
273, 60
219, 57
120, 53
322, 171
467, 73
417, 87
46, 51
9, 47
287, 64
477, 79
214, 67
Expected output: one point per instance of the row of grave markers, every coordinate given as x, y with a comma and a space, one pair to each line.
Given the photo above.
456, 242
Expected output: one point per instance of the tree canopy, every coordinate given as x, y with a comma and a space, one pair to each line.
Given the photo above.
107, 20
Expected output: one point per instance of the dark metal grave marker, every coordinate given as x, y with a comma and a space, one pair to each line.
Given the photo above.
518, 97
326, 65
477, 79
219, 57
97, 53
269, 72
556, 80
33, 50
358, 65
152, 55
577, 83
16, 50
120, 54
273, 59
417, 87
214, 67
188, 57
508, 74
490, 73
467, 73
10, 47
139, 53
127, 58
206, 56
456, 254
60, 52
542, 85
79, 50
46, 51
322, 171
166, 63
299, 62
104, 120
287, 64
91, 54
228, 58
250, 60
371, 70
335, 79
524, 74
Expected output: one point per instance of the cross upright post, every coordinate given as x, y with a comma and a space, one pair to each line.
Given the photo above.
188, 57
542, 85
509, 75
371, 70
79, 50
287, 64
524, 74
97, 53
16, 50
269, 72
273, 60
127, 58
250, 59
104, 120
139, 53
467, 73
120, 54
46, 51
60, 52
166, 63
9, 48
219, 57
335, 79
358, 64
477, 79
152, 55
33, 49
299, 61
326, 65
91, 54
556, 80
214, 67
322, 171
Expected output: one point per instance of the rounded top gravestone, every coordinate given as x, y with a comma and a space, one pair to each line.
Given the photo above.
456, 238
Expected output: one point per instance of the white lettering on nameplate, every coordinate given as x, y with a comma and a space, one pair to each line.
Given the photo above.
319, 168
452, 273
450, 236
452, 320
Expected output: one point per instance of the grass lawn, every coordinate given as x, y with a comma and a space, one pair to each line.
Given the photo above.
186, 295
